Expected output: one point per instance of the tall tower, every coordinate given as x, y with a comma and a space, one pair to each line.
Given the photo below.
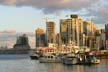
106, 35
50, 32
40, 38
22, 42
69, 29
106, 30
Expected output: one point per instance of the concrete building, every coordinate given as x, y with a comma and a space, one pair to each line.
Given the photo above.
22, 42
82, 32
74, 29
69, 30
58, 40
40, 38
89, 31
77, 30
106, 30
97, 43
50, 32
106, 35
103, 40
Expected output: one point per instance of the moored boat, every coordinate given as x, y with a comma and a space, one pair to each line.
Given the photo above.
34, 56
69, 59
87, 58
49, 58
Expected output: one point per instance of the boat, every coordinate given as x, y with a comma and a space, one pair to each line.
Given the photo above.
94, 59
87, 58
49, 58
69, 59
34, 56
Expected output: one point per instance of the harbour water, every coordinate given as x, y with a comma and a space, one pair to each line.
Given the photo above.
22, 63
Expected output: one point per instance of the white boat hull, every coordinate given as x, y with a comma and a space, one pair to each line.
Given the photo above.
70, 61
49, 59
41, 60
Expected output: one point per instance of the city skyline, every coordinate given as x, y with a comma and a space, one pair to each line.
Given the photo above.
28, 15
53, 35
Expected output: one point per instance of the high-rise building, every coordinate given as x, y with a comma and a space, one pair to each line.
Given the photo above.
77, 30
106, 35
69, 29
86, 32
50, 32
102, 40
89, 31
22, 42
58, 39
106, 30
40, 38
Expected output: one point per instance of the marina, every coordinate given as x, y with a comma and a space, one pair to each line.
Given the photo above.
70, 58
53, 36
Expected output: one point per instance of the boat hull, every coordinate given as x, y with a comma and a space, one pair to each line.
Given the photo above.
49, 61
34, 57
69, 60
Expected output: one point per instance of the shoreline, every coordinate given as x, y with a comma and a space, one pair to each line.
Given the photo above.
15, 51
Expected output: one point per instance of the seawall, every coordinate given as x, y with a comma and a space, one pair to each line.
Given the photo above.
15, 51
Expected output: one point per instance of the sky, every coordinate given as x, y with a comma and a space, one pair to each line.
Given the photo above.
28, 15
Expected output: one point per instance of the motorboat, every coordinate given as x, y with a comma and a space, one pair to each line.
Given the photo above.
34, 56
94, 59
69, 59
87, 58
49, 58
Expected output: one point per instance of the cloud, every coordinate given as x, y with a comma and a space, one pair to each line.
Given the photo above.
99, 12
88, 8
102, 15
51, 6
8, 2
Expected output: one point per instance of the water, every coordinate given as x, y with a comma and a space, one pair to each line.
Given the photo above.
22, 63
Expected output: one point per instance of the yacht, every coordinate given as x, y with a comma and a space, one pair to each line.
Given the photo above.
69, 59
49, 58
87, 58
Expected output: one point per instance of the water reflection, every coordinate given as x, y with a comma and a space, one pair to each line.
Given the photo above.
57, 67
22, 63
